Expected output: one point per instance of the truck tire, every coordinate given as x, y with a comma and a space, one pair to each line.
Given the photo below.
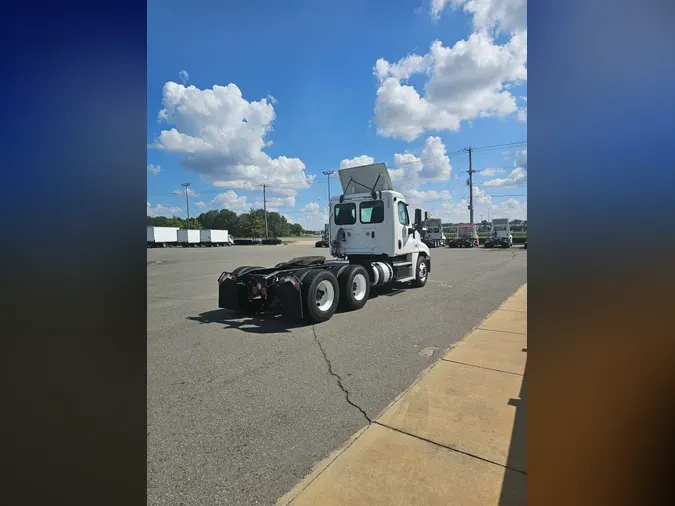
421, 272
354, 286
244, 269
320, 295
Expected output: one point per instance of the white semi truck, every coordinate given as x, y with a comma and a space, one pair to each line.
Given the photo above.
500, 234
161, 237
466, 237
215, 238
433, 236
373, 240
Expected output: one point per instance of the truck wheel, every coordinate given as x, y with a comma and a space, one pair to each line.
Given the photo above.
421, 273
321, 295
354, 287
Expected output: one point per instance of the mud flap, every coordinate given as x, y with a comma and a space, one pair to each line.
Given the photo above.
290, 300
228, 295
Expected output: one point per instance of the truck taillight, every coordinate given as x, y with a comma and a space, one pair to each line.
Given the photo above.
225, 276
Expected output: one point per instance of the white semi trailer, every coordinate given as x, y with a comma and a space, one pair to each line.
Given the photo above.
189, 238
161, 237
215, 238
373, 239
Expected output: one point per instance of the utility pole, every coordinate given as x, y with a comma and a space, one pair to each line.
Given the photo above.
187, 203
328, 173
265, 210
470, 183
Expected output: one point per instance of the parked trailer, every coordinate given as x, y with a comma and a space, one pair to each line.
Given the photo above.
161, 237
215, 238
189, 238
373, 240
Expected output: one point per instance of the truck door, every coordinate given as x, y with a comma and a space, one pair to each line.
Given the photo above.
403, 238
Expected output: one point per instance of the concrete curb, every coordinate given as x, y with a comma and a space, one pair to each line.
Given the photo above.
323, 465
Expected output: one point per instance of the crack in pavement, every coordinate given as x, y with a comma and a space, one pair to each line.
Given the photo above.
338, 377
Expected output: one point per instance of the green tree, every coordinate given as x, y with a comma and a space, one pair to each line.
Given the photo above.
253, 224
296, 229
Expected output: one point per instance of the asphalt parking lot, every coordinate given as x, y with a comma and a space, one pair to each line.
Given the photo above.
239, 408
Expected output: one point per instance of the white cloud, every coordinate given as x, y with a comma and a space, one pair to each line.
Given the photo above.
436, 7
200, 205
517, 177
183, 76
356, 162
490, 172
276, 202
456, 212
420, 197
433, 165
511, 209
160, 210
480, 197
521, 159
230, 200
466, 81
190, 193
154, 169
312, 207
500, 16
221, 136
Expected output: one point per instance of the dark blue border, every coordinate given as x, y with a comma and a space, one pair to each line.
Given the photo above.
74, 288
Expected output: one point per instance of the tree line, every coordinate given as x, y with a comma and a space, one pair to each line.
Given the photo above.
250, 224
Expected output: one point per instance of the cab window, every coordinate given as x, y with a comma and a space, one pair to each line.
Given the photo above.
372, 211
403, 217
344, 214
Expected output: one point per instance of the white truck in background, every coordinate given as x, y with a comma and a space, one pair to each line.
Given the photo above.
434, 237
161, 237
466, 237
189, 238
215, 238
373, 237
500, 234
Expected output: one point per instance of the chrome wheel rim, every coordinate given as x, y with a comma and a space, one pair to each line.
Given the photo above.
325, 294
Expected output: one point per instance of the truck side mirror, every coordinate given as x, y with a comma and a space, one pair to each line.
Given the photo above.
418, 216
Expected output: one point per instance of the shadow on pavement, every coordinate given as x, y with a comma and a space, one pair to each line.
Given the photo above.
271, 321
514, 488
264, 323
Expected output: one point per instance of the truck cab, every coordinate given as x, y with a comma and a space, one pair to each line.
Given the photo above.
371, 221
500, 234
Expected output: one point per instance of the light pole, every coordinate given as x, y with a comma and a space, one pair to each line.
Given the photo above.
187, 203
328, 174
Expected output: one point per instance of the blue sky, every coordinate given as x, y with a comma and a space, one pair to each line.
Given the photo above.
245, 93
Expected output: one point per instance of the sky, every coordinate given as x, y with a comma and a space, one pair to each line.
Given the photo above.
242, 94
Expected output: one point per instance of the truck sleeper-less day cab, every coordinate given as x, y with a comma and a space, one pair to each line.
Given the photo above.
371, 236
434, 236
466, 237
500, 234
